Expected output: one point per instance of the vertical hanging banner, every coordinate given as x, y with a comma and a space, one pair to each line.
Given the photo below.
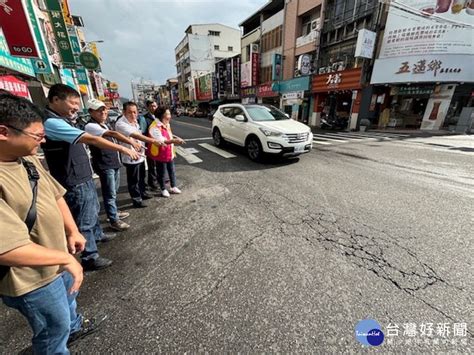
42, 65
76, 47
17, 29
60, 33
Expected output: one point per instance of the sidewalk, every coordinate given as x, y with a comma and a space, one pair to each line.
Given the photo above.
411, 132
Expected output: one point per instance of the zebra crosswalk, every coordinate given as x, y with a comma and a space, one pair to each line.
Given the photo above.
203, 148
330, 138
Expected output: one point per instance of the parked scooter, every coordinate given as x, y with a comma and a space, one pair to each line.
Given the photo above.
334, 122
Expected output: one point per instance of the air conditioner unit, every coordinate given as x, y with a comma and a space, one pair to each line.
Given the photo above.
255, 48
315, 25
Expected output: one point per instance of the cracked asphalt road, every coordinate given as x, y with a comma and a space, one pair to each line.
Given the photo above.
288, 256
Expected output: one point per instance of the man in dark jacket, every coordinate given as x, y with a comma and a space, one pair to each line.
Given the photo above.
152, 180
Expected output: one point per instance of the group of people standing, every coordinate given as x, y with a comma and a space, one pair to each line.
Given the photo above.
54, 215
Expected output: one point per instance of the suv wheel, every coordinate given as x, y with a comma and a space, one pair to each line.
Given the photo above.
254, 149
218, 140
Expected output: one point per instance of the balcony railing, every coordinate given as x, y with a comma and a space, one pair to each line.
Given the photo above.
309, 38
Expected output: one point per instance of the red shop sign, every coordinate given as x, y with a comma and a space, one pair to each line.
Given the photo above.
17, 29
265, 90
14, 85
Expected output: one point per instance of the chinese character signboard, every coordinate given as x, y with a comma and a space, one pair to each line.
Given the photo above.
89, 60
42, 65
17, 29
365, 44
341, 80
61, 33
14, 85
429, 44
81, 75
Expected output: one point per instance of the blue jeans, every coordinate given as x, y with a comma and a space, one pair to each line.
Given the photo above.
84, 205
162, 169
110, 183
51, 313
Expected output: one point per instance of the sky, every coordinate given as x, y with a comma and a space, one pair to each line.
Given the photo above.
140, 35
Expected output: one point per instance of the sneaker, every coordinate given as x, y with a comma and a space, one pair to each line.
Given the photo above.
139, 205
146, 196
165, 193
119, 225
88, 327
106, 237
175, 190
122, 214
96, 264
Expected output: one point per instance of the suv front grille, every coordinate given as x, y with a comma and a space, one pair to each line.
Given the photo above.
297, 137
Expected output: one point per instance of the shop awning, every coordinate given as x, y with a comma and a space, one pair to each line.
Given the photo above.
14, 85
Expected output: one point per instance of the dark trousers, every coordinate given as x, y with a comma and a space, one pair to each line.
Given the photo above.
162, 169
136, 181
152, 180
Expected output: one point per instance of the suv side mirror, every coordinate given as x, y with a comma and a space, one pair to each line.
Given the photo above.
240, 118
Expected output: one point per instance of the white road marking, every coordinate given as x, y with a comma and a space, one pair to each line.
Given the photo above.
218, 151
190, 158
324, 137
197, 139
321, 142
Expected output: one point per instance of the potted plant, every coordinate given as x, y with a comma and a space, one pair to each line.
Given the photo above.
364, 124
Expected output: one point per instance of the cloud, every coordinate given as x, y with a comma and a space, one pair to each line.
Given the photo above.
140, 36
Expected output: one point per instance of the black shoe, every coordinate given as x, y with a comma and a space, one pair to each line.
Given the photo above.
106, 237
146, 196
88, 327
139, 205
154, 188
96, 264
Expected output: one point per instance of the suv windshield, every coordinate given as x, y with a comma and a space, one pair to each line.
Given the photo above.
265, 113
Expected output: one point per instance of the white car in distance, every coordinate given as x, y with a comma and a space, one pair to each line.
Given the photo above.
261, 129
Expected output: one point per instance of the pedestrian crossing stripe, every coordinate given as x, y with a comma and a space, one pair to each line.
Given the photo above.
325, 138
216, 150
189, 157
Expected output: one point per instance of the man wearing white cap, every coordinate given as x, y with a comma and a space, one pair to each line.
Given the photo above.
106, 162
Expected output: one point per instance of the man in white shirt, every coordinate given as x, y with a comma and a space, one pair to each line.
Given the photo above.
129, 127
106, 162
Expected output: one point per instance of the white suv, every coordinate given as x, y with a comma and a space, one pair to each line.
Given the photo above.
261, 129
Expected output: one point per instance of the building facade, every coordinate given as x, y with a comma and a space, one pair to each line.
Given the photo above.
196, 54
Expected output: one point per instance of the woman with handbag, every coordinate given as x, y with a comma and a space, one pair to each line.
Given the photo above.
164, 156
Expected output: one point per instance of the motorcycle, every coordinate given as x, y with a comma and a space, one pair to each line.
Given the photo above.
334, 122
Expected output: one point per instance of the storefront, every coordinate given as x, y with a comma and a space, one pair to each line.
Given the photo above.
426, 65
267, 96
295, 97
337, 94
249, 95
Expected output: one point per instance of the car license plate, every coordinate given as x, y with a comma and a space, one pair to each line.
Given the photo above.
299, 148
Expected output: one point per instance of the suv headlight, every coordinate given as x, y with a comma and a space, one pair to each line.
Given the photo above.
269, 132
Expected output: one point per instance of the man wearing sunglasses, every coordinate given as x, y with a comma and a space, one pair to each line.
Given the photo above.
39, 275
69, 163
